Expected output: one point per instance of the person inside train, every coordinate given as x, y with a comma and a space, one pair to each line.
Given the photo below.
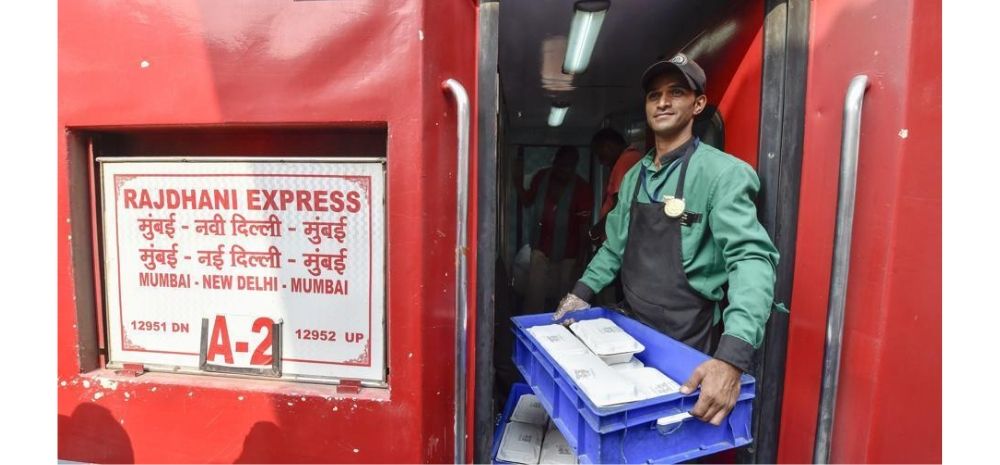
617, 156
685, 225
562, 204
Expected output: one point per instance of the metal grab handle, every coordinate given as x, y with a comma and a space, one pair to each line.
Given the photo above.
461, 245
849, 142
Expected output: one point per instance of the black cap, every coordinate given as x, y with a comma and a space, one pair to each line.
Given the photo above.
692, 72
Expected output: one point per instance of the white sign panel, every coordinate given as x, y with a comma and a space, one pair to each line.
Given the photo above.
302, 243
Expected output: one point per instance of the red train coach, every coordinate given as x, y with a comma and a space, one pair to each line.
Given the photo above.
289, 230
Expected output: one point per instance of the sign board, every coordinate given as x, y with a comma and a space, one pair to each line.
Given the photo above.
296, 242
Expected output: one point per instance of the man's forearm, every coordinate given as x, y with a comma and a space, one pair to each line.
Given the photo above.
751, 294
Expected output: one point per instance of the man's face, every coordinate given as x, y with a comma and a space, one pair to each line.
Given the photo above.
670, 104
564, 163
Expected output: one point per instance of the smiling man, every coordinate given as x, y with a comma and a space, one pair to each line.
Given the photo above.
684, 227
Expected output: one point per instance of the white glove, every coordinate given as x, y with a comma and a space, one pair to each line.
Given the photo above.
570, 303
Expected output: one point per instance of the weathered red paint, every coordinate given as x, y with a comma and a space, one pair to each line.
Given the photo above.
350, 63
734, 83
889, 405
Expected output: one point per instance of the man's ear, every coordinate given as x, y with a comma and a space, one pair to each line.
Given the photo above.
699, 104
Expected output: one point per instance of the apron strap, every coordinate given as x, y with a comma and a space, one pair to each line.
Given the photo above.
679, 193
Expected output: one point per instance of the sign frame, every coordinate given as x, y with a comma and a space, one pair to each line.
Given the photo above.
275, 371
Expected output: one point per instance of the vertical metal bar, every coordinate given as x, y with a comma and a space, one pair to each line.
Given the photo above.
487, 85
95, 227
461, 249
850, 140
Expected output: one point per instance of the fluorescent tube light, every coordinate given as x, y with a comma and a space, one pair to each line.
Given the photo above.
557, 115
588, 15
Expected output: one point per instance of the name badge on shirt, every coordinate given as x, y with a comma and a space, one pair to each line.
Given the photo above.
673, 206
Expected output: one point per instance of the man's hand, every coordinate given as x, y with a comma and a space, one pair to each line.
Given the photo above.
596, 234
720, 387
568, 304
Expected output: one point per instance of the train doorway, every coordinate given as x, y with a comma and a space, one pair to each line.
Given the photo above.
545, 111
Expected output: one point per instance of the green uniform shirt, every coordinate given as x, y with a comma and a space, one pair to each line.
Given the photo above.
728, 243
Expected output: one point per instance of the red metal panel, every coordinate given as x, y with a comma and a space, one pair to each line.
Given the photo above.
909, 426
892, 329
449, 36
257, 62
740, 105
735, 83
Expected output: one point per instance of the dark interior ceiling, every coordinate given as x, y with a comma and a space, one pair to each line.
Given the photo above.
635, 33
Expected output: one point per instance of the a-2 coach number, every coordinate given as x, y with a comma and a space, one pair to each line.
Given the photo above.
220, 344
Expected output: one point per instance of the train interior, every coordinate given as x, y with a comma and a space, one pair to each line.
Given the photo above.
724, 37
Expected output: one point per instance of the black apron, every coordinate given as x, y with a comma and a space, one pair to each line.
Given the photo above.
657, 291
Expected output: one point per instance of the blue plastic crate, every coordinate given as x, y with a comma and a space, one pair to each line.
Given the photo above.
627, 433
516, 391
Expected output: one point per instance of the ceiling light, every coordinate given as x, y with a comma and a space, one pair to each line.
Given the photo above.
588, 15
557, 115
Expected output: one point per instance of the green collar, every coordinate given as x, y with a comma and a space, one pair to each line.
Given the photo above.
647, 159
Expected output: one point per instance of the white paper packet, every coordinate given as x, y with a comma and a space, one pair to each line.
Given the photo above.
521, 443
529, 410
601, 384
605, 338
557, 340
555, 449
650, 382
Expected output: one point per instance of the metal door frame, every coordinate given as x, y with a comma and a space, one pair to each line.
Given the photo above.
487, 92
779, 165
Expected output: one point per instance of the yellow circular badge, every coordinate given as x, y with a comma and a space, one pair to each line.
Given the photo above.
673, 206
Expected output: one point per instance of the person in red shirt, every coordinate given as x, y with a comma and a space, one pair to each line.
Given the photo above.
561, 202
613, 152
610, 148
